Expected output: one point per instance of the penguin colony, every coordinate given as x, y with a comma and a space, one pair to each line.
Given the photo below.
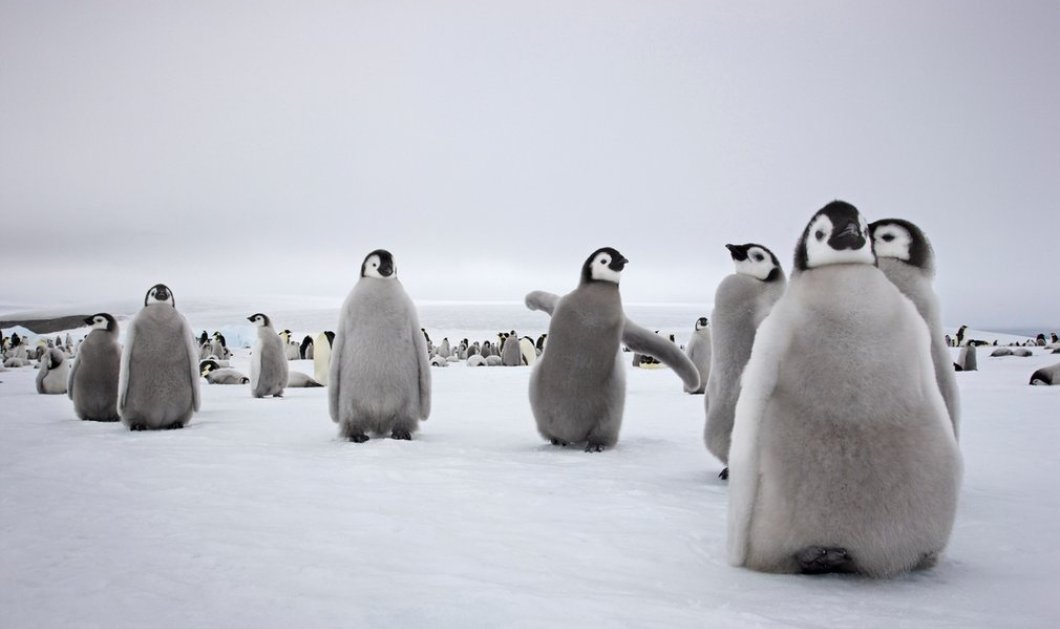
839, 460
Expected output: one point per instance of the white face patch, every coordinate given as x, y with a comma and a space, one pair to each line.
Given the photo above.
758, 264
892, 241
820, 253
371, 268
600, 269
152, 298
259, 321
99, 323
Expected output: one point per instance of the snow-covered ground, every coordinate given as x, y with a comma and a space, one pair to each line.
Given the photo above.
256, 515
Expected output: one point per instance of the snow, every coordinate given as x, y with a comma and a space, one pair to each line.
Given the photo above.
256, 515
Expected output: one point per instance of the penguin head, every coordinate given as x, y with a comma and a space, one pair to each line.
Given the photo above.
379, 264
207, 366
102, 321
701, 323
837, 234
755, 260
55, 358
160, 294
260, 320
902, 240
604, 265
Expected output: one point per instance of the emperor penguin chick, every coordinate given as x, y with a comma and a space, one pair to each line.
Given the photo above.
268, 362
578, 384
843, 455
159, 383
699, 351
94, 375
741, 302
380, 377
905, 256
54, 372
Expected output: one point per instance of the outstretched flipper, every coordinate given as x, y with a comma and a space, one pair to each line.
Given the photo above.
542, 300
643, 341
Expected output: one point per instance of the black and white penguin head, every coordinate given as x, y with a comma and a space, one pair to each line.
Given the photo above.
260, 320
604, 265
207, 366
902, 240
379, 264
755, 260
837, 234
701, 323
102, 321
160, 294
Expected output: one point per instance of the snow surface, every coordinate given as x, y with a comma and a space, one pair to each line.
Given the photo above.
256, 515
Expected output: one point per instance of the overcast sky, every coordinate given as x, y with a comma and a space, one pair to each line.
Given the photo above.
258, 148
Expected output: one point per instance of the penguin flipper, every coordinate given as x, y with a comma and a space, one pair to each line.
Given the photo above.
124, 371
424, 364
757, 383
70, 380
643, 341
542, 300
193, 364
335, 373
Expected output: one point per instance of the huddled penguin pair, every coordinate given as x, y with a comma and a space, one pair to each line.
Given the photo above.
380, 378
842, 460
578, 384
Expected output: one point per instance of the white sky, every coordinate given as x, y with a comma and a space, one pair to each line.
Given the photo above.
255, 148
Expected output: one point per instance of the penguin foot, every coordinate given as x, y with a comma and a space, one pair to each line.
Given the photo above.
402, 434
724, 474
137, 427
277, 395
173, 426
558, 442
359, 438
820, 560
595, 447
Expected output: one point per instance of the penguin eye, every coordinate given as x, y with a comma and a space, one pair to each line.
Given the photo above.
819, 235
888, 237
758, 257
603, 260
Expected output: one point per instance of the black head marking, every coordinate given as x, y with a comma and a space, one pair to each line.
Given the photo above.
162, 293
846, 231
112, 323
207, 366
386, 263
738, 252
742, 252
617, 262
263, 316
921, 255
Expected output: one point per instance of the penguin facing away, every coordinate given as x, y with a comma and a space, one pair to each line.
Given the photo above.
578, 384
94, 374
966, 359
842, 459
699, 351
268, 360
158, 386
906, 257
741, 301
380, 378
54, 372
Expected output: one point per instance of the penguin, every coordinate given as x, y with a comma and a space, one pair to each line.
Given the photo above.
206, 351
290, 347
443, 348
741, 301
1022, 352
966, 360
299, 380
54, 373
380, 379
511, 353
528, 351
268, 364
699, 353
217, 346
94, 374
843, 459
305, 350
1001, 351
493, 360
1046, 376
906, 257
158, 386
960, 335
475, 360
486, 350
1040, 340
438, 361
578, 385
540, 344
204, 338
215, 374
321, 358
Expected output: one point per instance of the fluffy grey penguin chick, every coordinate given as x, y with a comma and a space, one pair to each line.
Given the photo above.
380, 377
578, 385
905, 256
843, 455
741, 301
54, 372
699, 351
216, 374
1046, 376
268, 360
159, 383
94, 374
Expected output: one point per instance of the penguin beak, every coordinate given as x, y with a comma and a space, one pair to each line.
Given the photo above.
386, 268
618, 263
251, 319
847, 238
89, 320
737, 252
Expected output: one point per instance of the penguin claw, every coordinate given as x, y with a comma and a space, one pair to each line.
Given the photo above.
403, 435
595, 447
361, 438
820, 560
558, 442
724, 474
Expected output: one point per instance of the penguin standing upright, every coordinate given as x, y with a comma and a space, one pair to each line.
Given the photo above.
268, 364
578, 385
905, 256
94, 375
698, 351
380, 378
305, 350
741, 302
321, 357
159, 383
511, 354
54, 372
842, 459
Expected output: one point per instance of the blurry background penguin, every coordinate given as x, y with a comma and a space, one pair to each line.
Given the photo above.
54, 372
698, 351
215, 374
94, 375
322, 356
268, 359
